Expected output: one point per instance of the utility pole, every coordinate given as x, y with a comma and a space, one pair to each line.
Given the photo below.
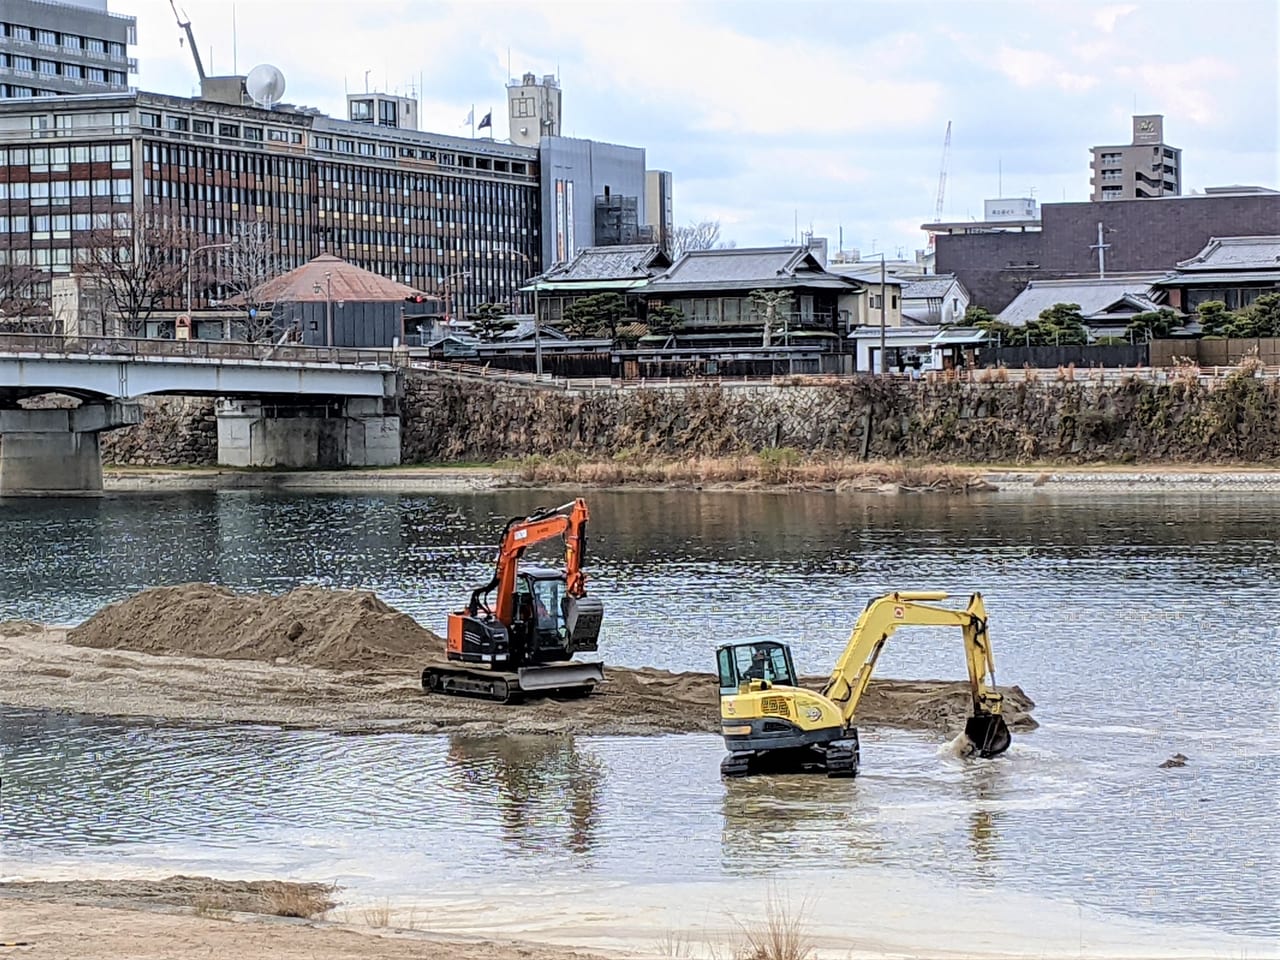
1102, 249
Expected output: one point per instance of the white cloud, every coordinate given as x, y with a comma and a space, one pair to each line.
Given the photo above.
1106, 18
1037, 68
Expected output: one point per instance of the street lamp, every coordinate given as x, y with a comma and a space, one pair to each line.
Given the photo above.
190, 262
448, 292
328, 306
537, 322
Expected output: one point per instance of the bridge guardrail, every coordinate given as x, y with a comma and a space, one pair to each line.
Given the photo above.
196, 349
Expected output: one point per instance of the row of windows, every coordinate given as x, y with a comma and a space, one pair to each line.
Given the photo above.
64, 189
68, 41
62, 222
44, 159
56, 68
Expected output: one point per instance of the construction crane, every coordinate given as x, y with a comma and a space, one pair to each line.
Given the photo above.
942, 175
191, 39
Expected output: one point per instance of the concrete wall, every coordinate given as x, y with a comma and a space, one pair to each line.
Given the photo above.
251, 436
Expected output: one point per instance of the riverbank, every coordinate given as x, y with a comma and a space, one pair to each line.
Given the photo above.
784, 917
181, 917
1046, 478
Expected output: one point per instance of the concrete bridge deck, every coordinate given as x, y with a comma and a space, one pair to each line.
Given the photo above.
343, 408
89, 367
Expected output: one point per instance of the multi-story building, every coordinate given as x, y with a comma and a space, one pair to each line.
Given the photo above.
1147, 167
52, 47
444, 215
658, 207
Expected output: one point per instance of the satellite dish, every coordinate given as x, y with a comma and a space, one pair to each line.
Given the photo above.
265, 85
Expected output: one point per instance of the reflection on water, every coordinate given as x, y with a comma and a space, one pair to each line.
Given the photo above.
1141, 625
538, 784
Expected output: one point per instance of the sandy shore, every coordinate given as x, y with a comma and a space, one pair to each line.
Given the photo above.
899, 914
199, 917
39, 669
1241, 478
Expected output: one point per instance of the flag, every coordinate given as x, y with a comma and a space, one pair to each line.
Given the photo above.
471, 117
486, 122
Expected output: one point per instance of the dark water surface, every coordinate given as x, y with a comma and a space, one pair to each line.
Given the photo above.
1141, 625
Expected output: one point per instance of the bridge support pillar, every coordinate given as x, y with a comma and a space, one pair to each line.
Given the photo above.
54, 453
352, 432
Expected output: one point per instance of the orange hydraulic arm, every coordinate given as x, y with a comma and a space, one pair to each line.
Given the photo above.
569, 520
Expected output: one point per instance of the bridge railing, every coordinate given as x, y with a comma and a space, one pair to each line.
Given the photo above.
48, 343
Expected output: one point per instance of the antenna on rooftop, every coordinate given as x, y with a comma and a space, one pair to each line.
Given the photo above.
265, 85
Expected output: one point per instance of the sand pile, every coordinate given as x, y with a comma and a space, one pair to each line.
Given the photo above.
335, 629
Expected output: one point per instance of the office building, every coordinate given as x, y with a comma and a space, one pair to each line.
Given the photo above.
49, 48
1147, 167
450, 216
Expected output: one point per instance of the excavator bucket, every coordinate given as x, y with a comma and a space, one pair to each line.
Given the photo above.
568, 678
989, 734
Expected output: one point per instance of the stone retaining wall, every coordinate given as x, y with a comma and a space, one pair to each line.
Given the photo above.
450, 420
174, 431
1238, 419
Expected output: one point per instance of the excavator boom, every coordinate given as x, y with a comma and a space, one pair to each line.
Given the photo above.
770, 722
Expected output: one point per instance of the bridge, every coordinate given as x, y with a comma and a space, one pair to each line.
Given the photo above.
285, 405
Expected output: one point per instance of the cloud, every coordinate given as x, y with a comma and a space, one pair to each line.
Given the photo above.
830, 110
1036, 68
1106, 18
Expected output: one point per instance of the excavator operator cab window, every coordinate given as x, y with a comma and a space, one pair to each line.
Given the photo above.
767, 660
548, 606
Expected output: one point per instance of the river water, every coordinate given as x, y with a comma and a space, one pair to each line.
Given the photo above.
1142, 625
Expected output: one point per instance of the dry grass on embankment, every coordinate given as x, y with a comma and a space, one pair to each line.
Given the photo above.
780, 467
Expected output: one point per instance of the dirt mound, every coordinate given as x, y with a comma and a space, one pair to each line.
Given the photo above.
691, 701
19, 628
280, 898
336, 629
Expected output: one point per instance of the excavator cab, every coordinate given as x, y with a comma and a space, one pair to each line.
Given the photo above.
766, 661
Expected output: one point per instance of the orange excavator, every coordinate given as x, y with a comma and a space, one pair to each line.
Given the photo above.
523, 641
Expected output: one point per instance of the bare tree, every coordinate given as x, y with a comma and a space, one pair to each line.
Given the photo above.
24, 300
697, 236
246, 270
135, 275
772, 302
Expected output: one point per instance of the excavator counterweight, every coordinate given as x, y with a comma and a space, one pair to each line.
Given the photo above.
522, 629
771, 724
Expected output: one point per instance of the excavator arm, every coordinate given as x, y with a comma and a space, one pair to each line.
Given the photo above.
569, 521
878, 621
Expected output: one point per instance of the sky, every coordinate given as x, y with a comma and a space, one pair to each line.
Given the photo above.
776, 118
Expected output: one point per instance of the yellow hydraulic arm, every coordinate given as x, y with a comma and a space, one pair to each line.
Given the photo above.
884, 615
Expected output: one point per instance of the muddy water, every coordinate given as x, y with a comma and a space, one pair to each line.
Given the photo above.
1142, 626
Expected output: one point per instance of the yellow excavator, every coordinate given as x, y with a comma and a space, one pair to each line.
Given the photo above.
772, 725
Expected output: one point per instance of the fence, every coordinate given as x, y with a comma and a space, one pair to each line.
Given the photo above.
11, 343
1051, 357
1215, 353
